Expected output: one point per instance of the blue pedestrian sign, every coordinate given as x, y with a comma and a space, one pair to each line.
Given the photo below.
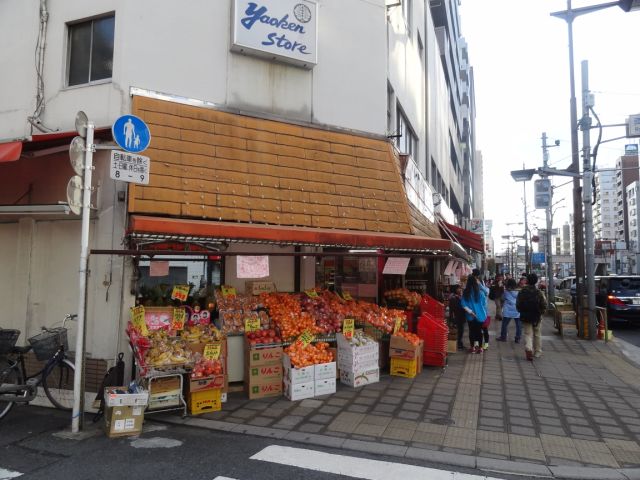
131, 133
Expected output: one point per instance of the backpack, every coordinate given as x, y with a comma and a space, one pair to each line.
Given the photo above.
531, 304
113, 378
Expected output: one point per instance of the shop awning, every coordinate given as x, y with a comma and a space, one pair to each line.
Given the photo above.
43, 144
466, 238
146, 228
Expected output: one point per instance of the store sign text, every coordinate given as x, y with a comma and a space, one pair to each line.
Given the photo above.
283, 29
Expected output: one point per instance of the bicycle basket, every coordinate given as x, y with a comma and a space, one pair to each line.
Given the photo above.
46, 344
8, 339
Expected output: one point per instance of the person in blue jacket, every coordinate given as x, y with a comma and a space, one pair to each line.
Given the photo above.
474, 303
509, 311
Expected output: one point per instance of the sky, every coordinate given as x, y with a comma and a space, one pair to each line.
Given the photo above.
520, 57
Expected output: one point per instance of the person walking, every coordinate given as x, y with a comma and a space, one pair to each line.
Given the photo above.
495, 293
484, 328
531, 303
474, 303
457, 314
510, 312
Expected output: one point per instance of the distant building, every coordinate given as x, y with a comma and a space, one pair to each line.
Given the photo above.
604, 210
633, 222
626, 174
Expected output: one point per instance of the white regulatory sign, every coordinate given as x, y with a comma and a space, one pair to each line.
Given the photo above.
129, 167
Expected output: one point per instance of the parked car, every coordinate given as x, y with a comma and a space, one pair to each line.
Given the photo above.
566, 289
620, 295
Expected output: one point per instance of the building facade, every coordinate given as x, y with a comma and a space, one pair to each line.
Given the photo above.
248, 127
633, 222
626, 174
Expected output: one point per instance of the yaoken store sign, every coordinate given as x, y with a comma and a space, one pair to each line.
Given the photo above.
286, 30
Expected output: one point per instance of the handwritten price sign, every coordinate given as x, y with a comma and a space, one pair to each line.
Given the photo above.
179, 317
180, 292
348, 327
311, 293
251, 324
137, 318
347, 296
228, 291
212, 351
397, 326
306, 338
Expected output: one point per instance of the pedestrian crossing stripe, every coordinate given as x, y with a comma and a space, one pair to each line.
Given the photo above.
7, 474
356, 467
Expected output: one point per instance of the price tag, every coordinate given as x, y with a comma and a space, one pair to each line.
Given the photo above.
180, 292
311, 293
251, 324
348, 327
228, 291
137, 318
212, 351
347, 296
179, 317
397, 326
306, 338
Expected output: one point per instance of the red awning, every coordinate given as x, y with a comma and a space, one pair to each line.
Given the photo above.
162, 229
466, 238
10, 152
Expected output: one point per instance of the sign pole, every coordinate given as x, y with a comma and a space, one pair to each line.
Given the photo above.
78, 379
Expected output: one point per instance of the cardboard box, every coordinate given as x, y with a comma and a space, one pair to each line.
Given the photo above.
114, 399
164, 384
199, 347
123, 421
325, 371
297, 375
358, 362
346, 348
325, 386
205, 401
165, 400
257, 357
400, 347
359, 379
452, 346
206, 383
263, 390
264, 374
299, 391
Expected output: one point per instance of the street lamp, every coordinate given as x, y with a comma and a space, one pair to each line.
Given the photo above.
524, 176
568, 16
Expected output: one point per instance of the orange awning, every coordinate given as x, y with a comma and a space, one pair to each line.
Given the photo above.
465, 237
202, 230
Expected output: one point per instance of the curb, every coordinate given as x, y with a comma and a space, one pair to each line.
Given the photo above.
484, 464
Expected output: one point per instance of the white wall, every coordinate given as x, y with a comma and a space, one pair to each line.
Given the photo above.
185, 51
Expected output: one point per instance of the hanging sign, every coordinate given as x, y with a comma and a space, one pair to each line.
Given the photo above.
306, 338
348, 326
137, 319
397, 326
252, 266
212, 351
396, 266
180, 292
179, 317
228, 291
251, 324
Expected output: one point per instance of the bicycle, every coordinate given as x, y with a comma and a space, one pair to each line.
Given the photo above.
56, 376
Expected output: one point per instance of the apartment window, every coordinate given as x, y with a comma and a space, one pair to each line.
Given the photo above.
407, 140
90, 57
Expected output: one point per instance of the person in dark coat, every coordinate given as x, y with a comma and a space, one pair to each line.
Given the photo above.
531, 303
456, 314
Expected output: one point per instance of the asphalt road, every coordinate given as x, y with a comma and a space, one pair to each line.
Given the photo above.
29, 446
628, 333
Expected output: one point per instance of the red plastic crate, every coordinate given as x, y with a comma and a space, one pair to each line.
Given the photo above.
435, 359
430, 305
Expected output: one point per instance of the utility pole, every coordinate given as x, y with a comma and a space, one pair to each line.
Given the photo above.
526, 227
587, 198
549, 257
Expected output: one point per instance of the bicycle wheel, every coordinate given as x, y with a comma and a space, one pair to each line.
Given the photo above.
9, 375
58, 384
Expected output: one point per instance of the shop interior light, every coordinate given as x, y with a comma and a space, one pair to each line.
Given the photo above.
363, 251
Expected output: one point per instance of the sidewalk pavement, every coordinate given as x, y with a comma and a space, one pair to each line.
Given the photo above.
573, 413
